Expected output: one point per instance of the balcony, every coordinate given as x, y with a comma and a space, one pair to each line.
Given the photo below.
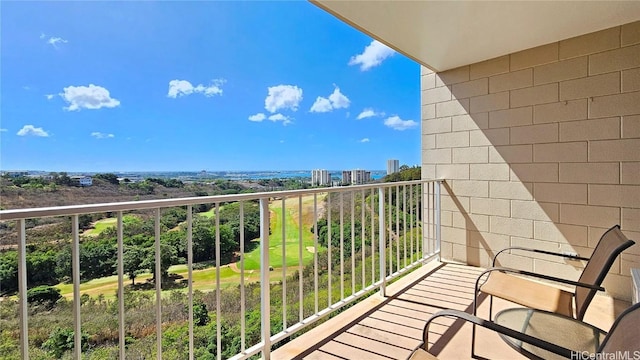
379, 233
395, 279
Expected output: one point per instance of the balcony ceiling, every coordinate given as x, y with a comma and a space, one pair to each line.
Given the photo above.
444, 35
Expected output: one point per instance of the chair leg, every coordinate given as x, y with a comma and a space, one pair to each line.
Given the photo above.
490, 307
473, 326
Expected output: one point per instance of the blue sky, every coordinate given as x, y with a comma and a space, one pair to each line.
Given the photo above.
144, 86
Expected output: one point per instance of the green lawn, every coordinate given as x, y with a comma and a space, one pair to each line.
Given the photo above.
101, 225
291, 237
205, 279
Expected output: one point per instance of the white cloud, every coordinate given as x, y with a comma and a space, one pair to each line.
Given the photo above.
321, 105
183, 88
283, 97
27, 88
33, 131
279, 117
257, 117
99, 135
281, 141
88, 97
3, 130
364, 140
53, 40
49, 96
372, 56
396, 123
336, 100
367, 113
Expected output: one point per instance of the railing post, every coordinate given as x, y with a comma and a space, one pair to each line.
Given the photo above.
22, 289
437, 214
381, 246
121, 324
424, 209
158, 279
75, 266
265, 289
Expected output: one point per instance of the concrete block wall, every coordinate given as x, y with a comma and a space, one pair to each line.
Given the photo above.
539, 148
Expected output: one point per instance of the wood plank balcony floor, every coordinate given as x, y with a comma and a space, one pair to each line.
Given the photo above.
391, 327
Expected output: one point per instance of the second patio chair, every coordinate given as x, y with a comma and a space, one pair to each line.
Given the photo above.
622, 340
501, 283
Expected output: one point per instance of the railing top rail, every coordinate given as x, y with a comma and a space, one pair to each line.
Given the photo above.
67, 210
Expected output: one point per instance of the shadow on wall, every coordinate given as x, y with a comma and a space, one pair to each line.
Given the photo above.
533, 159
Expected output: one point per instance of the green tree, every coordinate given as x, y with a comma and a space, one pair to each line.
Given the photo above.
167, 258
132, 260
108, 177
97, 258
40, 267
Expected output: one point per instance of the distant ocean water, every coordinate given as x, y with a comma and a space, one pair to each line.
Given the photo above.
233, 175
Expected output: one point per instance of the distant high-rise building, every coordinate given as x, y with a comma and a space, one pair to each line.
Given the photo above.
346, 177
320, 177
393, 166
360, 176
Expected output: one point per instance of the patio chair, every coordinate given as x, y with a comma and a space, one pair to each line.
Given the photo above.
540, 296
499, 282
623, 337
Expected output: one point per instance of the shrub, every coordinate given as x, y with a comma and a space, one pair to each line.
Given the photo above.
61, 341
43, 295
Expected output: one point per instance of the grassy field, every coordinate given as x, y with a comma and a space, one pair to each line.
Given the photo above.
291, 238
205, 279
101, 225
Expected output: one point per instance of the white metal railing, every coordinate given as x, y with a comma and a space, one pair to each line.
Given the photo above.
399, 229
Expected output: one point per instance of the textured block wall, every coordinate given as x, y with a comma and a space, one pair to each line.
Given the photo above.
539, 148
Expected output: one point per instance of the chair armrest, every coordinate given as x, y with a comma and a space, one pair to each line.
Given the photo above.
543, 276
569, 256
497, 328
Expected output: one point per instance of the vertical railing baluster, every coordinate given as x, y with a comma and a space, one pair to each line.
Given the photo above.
437, 222
158, 275
353, 243
373, 238
284, 264
382, 231
218, 291
432, 191
341, 245
413, 220
390, 234
362, 236
424, 216
243, 310
315, 250
300, 263
265, 304
121, 333
75, 265
329, 246
22, 288
397, 242
404, 221
190, 277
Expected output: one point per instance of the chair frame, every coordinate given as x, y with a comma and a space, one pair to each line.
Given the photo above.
578, 312
537, 342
